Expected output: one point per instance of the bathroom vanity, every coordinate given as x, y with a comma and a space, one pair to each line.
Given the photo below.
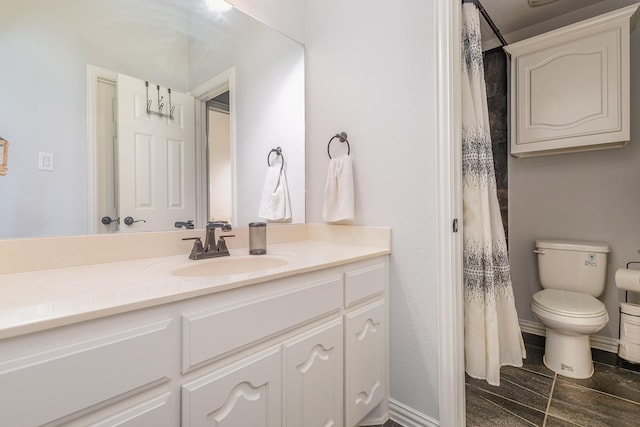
167, 341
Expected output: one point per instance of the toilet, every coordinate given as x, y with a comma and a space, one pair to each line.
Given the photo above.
572, 274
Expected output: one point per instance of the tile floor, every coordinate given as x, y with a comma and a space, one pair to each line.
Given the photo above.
535, 396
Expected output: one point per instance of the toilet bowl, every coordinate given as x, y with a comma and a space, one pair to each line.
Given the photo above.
570, 318
572, 274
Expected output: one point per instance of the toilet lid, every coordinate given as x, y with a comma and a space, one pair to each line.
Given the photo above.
568, 303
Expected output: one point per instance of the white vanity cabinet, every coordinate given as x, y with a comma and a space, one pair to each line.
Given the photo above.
307, 349
53, 377
570, 87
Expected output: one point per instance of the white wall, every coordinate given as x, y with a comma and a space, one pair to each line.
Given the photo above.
269, 75
283, 15
371, 73
588, 196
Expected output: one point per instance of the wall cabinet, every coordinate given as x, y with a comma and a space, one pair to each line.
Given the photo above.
570, 87
305, 350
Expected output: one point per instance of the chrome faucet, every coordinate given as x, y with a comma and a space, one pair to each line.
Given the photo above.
211, 248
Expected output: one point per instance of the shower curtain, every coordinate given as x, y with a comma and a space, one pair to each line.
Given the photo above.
492, 336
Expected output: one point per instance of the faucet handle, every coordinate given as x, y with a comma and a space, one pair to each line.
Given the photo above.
197, 247
222, 244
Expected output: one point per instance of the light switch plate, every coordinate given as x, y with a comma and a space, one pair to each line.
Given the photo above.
45, 161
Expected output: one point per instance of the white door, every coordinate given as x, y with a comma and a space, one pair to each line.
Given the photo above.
156, 157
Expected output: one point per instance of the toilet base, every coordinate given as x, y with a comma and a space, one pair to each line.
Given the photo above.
568, 355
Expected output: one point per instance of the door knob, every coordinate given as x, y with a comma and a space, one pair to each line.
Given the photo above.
106, 220
129, 220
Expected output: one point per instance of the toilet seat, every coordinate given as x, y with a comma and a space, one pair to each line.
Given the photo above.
569, 304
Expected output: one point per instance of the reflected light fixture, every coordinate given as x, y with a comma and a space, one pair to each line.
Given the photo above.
218, 5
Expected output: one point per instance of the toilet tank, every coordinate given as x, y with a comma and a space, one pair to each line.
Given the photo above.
572, 265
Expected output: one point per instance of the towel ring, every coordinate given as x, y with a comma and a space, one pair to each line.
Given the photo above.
278, 152
342, 137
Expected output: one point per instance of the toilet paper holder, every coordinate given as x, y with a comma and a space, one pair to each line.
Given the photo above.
626, 300
626, 291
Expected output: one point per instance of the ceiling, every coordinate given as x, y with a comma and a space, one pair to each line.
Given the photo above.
516, 20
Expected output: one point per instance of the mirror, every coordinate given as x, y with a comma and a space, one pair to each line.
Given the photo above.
184, 45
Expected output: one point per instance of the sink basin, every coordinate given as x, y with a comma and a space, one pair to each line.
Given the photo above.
227, 266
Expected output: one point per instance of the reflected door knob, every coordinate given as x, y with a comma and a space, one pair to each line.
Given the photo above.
106, 220
129, 220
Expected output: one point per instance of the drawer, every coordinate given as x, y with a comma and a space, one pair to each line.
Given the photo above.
53, 384
154, 412
211, 333
364, 282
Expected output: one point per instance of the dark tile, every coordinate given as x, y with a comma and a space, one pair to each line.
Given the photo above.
635, 367
500, 165
605, 357
557, 422
481, 411
611, 380
573, 403
519, 386
534, 362
533, 340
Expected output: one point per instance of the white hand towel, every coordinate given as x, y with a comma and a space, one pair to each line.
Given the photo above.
275, 204
338, 192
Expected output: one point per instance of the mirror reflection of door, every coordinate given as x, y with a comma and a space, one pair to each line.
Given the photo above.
106, 154
144, 162
156, 155
219, 158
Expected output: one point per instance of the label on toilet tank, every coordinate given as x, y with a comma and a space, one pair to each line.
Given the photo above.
590, 260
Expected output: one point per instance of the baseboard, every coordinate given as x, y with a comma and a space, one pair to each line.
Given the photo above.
409, 417
597, 342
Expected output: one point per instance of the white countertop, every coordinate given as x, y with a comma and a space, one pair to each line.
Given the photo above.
40, 300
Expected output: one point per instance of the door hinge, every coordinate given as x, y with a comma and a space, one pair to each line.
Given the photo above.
455, 225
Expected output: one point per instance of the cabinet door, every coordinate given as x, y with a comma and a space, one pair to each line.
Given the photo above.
247, 393
570, 87
365, 359
313, 378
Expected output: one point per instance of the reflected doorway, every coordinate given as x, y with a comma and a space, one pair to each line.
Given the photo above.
219, 158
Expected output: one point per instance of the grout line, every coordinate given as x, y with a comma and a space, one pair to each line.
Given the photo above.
595, 390
482, 390
546, 413
506, 410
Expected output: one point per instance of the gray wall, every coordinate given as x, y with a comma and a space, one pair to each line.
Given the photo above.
590, 196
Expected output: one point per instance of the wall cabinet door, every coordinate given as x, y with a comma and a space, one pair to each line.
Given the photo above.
570, 87
365, 360
246, 393
312, 369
